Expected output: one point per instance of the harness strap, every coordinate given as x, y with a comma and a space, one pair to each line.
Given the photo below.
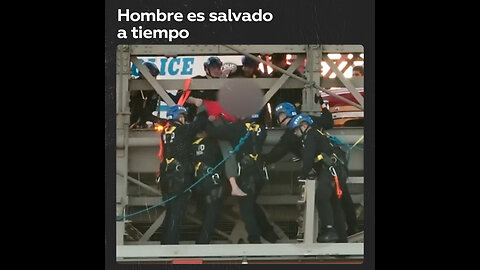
335, 178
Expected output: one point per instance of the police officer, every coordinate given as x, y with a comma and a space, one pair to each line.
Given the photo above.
320, 163
213, 70
143, 102
289, 143
207, 155
176, 168
249, 69
284, 112
252, 173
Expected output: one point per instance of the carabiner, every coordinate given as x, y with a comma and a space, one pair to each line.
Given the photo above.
215, 177
332, 171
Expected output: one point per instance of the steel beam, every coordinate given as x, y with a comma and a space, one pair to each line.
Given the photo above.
179, 50
139, 183
153, 228
144, 160
143, 138
122, 124
342, 48
262, 83
312, 72
278, 83
346, 82
154, 83
310, 221
262, 200
254, 250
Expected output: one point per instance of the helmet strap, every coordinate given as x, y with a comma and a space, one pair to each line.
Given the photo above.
304, 132
286, 117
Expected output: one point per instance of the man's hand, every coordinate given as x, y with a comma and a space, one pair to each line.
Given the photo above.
196, 101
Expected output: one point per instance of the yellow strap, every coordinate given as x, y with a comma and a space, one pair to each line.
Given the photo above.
254, 157
359, 140
252, 127
170, 129
198, 141
320, 132
197, 166
169, 160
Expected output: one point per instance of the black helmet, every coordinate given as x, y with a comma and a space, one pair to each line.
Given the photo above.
213, 61
152, 68
249, 62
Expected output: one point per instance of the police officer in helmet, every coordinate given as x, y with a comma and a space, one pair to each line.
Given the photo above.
289, 143
176, 168
209, 192
319, 163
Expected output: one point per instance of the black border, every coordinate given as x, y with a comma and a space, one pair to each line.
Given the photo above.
295, 22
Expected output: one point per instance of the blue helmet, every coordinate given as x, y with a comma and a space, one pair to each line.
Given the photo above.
286, 108
297, 120
212, 61
174, 112
152, 68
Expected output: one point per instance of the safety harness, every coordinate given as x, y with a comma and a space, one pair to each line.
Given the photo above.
254, 129
204, 169
330, 162
181, 101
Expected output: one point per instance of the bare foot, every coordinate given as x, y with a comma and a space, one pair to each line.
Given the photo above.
236, 191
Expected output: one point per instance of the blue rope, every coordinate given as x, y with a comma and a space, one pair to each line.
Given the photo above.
348, 146
235, 149
340, 142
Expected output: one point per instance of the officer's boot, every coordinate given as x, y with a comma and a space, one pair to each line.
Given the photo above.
270, 236
327, 235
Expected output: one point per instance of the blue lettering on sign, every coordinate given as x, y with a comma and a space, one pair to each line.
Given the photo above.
135, 71
163, 63
170, 66
187, 66
176, 65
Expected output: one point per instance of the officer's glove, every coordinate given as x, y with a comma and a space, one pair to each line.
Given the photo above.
318, 99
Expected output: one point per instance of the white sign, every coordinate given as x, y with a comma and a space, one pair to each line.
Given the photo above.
183, 67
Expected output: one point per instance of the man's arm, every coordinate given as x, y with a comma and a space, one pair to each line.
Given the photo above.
324, 121
308, 155
287, 143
